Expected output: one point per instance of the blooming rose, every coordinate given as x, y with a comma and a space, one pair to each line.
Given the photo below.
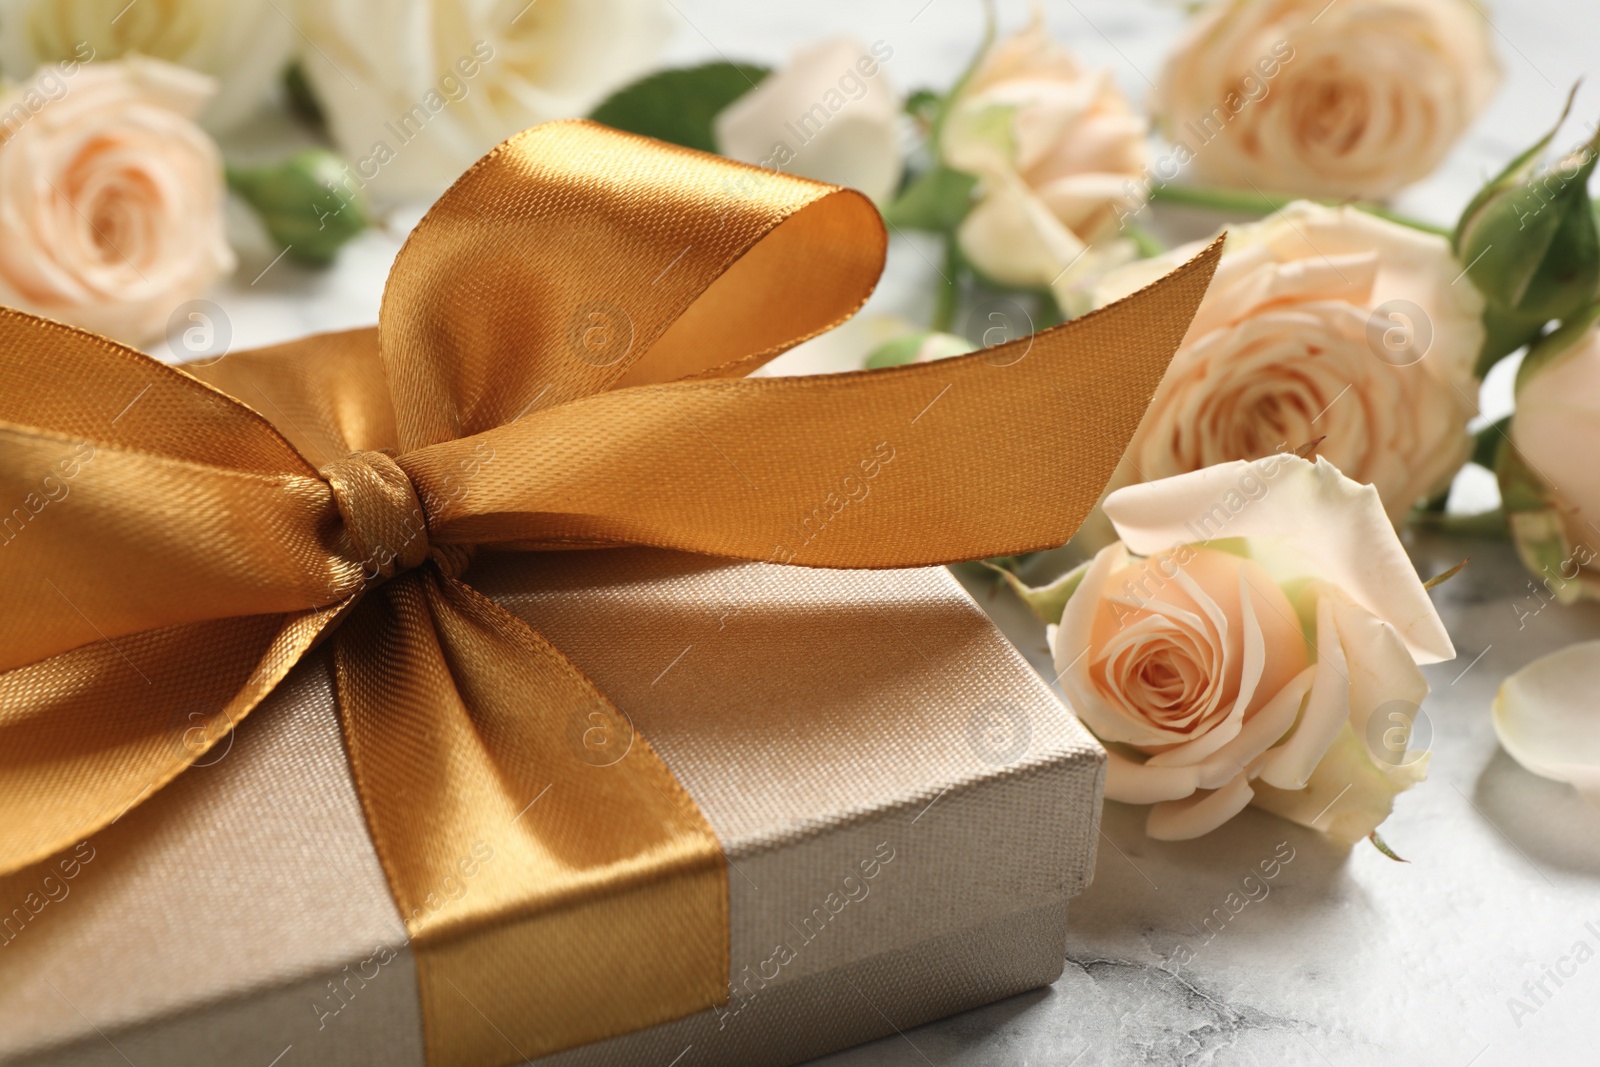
831, 114
244, 44
110, 196
1055, 147
417, 90
1330, 100
1221, 673
1320, 322
1550, 481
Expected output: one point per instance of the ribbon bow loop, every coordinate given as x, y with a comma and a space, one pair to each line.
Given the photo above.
558, 364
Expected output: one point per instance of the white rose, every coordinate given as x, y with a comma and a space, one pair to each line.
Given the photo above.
1322, 99
416, 91
110, 196
831, 114
1250, 670
243, 44
1320, 322
1058, 152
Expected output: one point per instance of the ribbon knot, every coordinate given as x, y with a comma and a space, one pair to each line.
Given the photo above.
382, 514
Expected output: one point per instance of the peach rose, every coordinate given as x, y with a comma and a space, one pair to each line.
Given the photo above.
110, 196
1327, 100
1235, 646
1056, 149
1320, 322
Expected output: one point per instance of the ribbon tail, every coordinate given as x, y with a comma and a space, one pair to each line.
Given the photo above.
558, 885
88, 734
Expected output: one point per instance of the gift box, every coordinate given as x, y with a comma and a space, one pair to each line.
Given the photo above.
904, 806
517, 680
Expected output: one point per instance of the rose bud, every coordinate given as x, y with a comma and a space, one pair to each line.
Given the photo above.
1549, 485
1529, 242
306, 203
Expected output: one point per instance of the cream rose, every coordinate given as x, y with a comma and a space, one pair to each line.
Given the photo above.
417, 90
1328, 100
1058, 152
1550, 481
243, 44
110, 196
1320, 322
831, 114
1249, 670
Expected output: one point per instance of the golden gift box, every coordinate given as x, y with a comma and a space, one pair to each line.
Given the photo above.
601, 703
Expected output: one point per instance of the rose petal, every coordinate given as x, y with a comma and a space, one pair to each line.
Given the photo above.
1348, 795
1179, 820
1547, 718
1327, 711
1132, 782
1312, 522
1012, 237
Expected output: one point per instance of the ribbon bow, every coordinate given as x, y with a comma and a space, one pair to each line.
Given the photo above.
558, 364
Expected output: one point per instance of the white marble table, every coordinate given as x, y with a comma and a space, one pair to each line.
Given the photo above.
1350, 958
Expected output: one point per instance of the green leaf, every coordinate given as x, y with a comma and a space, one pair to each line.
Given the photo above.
1047, 601
679, 105
1504, 333
303, 102
1444, 576
924, 106
936, 201
1383, 846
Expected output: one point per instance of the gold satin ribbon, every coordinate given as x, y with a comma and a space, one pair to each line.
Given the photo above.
558, 363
